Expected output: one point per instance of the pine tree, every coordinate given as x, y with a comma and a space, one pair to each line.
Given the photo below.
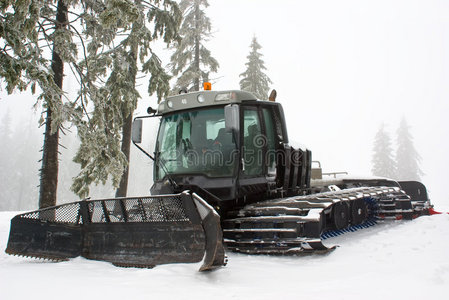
407, 158
27, 27
81, 35
50, 163
158, 75
109, 126
191, 58
254, 79
41, 39
383, 161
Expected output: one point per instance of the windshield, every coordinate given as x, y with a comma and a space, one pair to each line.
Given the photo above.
195, 142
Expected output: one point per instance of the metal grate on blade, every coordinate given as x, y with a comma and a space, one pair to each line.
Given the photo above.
144, 209
96, 212
155, 209
68, 213
114, 210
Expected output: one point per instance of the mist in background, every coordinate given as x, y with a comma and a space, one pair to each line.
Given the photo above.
341, 68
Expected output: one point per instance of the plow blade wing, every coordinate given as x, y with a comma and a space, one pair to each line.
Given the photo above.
131, 232
415, 189
418, 196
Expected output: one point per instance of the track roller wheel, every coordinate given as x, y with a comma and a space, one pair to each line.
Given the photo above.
359, 211
340, 214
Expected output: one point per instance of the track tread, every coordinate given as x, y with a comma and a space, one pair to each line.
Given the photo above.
261, 228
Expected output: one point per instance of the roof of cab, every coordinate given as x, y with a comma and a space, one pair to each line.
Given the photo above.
203, 99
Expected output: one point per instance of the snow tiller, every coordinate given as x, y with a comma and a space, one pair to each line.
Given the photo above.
233, 151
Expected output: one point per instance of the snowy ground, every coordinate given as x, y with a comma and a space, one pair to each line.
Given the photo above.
398, 260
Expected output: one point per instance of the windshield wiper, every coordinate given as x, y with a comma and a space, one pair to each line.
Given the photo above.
161, 163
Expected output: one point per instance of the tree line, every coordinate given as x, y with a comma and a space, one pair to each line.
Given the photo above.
402, 164
106, 46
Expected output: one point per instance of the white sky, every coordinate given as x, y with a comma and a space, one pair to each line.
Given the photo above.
340, 69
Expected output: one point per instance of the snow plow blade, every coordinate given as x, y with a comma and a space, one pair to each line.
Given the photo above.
129, 232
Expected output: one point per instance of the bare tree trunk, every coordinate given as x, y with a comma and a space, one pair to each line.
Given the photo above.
126, 149
122, 190
50, 165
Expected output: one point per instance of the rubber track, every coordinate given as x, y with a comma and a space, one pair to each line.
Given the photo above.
300, 224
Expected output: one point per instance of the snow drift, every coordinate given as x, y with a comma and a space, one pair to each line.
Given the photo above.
393, 260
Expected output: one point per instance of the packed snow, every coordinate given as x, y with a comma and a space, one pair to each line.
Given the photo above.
392, 260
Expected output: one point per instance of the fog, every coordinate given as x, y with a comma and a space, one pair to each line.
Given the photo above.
340, 68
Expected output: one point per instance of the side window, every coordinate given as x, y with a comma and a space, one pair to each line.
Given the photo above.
270, 141
253, 143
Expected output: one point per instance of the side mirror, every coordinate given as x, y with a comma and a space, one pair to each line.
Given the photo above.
136, 134
232, 117
151, 111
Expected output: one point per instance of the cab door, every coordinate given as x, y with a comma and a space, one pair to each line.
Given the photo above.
253, 143
258, 150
